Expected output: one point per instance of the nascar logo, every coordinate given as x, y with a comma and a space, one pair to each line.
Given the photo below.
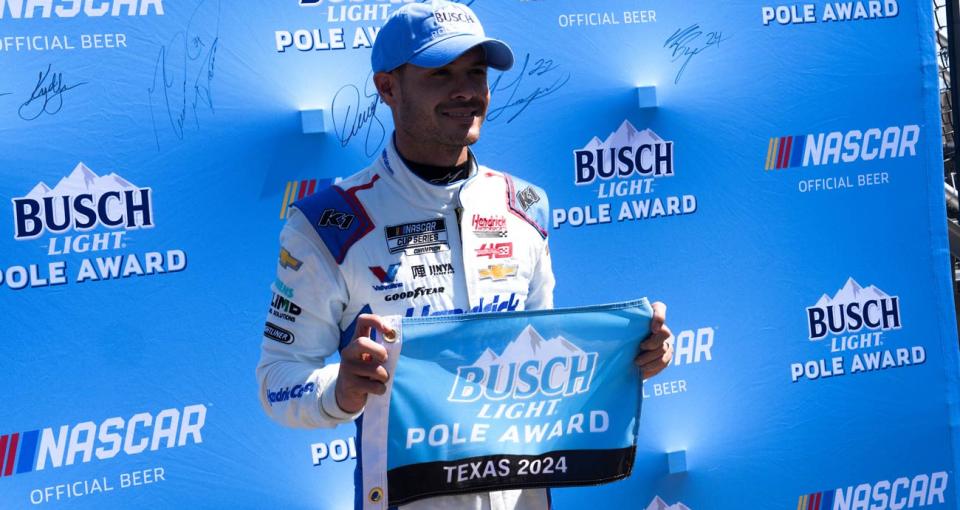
919, 491
417, 238
842, 146
785, 152
35, 450
105, 8
816, 501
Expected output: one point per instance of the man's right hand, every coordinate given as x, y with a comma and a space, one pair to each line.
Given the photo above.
361, 365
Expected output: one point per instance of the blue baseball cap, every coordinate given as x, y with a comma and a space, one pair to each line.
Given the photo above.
434, 34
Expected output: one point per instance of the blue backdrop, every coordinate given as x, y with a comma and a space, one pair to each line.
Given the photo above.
788, 208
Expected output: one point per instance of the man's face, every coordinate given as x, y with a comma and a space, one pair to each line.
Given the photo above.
444, 105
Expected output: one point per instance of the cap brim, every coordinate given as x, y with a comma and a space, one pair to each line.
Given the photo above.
499, 55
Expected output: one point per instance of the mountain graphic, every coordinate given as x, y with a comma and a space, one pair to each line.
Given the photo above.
81, 180
852, 292
625, 135
659, 504
529, 345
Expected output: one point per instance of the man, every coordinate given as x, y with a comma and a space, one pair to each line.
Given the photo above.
423, 231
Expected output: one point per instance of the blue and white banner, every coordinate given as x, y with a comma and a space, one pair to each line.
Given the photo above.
527, 399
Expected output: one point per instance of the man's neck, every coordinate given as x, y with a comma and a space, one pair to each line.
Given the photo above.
439, 175
430, 154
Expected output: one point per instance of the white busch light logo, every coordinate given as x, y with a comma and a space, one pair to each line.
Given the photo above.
82, 201
853, 308
529, 366
626, 153
659, 504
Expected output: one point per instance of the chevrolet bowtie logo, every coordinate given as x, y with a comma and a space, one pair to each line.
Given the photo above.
289, 261
498, 272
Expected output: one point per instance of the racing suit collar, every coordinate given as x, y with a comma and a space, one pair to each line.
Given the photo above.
415, 190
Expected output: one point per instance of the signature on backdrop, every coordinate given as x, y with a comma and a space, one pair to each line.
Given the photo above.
183, 73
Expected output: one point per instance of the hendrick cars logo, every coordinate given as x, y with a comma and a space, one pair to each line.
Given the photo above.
82, 201
290, 393
851, 309
528, 366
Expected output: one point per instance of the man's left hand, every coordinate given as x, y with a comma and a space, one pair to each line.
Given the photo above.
656, 350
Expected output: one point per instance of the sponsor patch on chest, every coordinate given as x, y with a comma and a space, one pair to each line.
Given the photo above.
417, 238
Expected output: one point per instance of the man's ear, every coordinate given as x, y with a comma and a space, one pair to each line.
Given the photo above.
387, 86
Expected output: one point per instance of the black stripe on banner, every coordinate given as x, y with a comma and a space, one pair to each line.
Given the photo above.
501, 472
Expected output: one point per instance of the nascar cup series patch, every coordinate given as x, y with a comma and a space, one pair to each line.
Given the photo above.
484, 402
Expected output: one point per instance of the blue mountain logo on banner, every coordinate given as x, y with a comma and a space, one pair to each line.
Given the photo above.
626, 153
628, 163
529, 366
857, 321
85, 212
83, 200
528, 410
851, 309
659, 504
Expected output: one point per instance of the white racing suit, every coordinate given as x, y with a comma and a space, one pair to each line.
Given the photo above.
384, 241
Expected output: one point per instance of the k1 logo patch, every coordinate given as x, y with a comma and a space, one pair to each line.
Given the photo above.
334, 218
